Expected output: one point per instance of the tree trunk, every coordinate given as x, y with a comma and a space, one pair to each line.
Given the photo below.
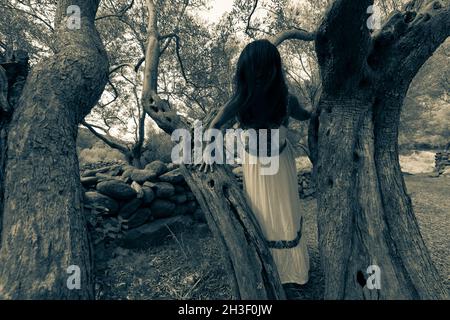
134, 160
13, 75
249, 261
44, 231
424, 280
3, 136
4, 119
353, 233
365, 215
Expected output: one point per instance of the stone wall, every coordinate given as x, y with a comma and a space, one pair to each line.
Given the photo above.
443, 163
306, 185
137, 207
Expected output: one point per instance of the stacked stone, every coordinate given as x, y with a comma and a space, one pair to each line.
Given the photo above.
442, 162
306, 185
131, 200
140, 207
99, 165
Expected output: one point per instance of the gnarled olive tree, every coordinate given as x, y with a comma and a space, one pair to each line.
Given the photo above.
43, 230
365, 214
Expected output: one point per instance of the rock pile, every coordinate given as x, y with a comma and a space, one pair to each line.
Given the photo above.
99, 165
306, 185
443, 163
135, 208
138, 207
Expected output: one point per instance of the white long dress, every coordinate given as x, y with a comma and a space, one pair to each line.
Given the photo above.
275, 201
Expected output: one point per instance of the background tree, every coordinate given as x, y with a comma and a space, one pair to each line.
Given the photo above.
425, 116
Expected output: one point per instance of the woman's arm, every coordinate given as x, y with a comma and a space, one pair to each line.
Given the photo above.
296, 110
225, 114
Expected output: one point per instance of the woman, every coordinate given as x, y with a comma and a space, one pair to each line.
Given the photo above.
261, 101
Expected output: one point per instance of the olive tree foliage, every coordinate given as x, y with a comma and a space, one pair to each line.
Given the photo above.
182, 82
425, 102
196, 64
193, 72
28, 25
197, 59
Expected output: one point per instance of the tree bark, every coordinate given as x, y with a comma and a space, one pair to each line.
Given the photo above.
365, 216
44, 231
13, 74
5, 111
249, 261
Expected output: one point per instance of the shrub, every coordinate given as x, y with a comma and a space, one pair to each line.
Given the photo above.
99, 153
159, 147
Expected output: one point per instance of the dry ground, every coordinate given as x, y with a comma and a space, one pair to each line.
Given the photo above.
188, 265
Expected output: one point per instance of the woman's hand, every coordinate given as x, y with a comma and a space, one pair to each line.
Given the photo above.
204, 167
207, 164
297, 111
223, 116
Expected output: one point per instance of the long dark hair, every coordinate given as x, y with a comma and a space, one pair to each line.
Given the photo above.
260, 91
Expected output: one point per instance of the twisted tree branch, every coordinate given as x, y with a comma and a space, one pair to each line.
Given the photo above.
293, 34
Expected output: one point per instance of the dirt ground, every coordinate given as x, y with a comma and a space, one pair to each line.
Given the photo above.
188, 265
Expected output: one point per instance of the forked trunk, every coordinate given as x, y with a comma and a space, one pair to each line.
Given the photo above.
365, 217
370, 242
